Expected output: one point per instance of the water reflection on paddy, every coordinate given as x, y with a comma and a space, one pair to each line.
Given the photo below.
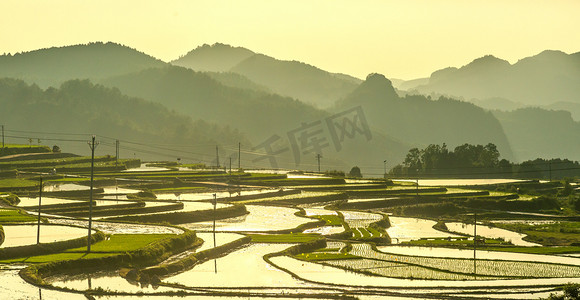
244, 267
209, 195
146, 168
107, 280
221, 239
12, 286
491, 232
20, 235
325, 230
33, 201
119, 190
260, 218
406, 229
319, 211
65, 187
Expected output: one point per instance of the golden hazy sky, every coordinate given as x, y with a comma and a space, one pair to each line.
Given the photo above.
401, 39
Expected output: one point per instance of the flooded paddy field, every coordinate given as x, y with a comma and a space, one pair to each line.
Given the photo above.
14, 287
405, 229
242, 268
491, 232
260, 218
22, 235
309, 250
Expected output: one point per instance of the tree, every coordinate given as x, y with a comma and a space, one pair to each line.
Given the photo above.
571, 292
355, 172
413, 160
489, 156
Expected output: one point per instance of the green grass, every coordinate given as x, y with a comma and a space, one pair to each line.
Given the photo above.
538, 250
17, 183
548, 234
11, 215
365, 233
357, 235
374, 232
324, 256
56, 161
283, 238
117, 244
123, 242
331, 220
56, 257
362, 233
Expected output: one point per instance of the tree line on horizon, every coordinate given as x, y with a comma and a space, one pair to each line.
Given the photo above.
479, 161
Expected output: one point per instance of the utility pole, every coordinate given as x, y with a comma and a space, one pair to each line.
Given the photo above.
385, 164
2, 136
239, 156
474, 242
214, 217
318, 157
116, 153
550, 165
92, 145
39, 204
417, 184
230, 165
217, 157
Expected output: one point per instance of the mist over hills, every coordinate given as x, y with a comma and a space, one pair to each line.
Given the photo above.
418, 120
197, 95
242, 95
289, 78
551, 76
259, 115
53, 66
535, 132
95, 109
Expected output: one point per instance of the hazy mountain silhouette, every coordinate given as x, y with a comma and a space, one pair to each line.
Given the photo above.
406, 85
289, 78
257, 114
536, 132
497, 103
52, 66
237, 81
418, 120
573, 108
215, 58
90, 108
548, 77
198, 95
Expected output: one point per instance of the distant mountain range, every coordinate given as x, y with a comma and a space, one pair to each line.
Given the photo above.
420, 120
223, 95
290, 78
82, 107
549, 77
95, 61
